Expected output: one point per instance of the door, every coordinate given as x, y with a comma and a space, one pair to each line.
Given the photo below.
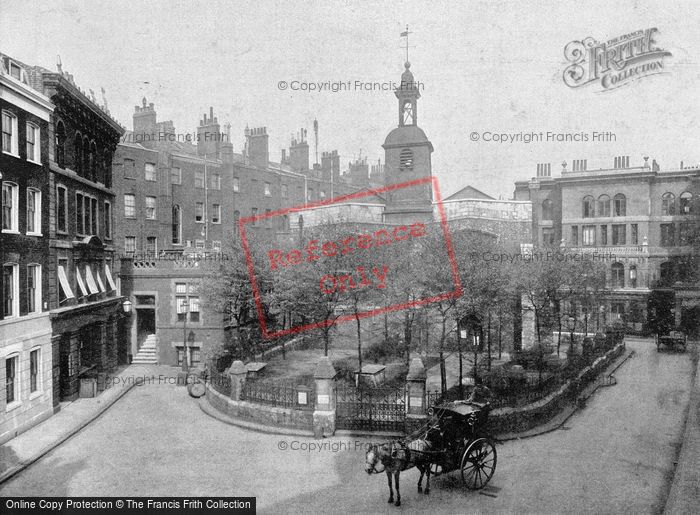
145, 324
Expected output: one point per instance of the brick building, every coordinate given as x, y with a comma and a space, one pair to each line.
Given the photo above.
82, 293
642, 220
25, 328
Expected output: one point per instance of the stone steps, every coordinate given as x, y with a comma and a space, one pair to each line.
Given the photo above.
148, 353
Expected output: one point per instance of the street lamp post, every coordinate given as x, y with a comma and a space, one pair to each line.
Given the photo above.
186, 311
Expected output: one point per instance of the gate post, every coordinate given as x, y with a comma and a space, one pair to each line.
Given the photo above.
415, 401
237, 373
324, 412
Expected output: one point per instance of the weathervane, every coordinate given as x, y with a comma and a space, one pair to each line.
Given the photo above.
405, 35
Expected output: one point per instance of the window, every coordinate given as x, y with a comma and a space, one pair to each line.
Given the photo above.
216, 214
254, 212
33, 143
547, 209
617, 275
78, 154
129, 169
285, 191
548, 236
33, 211
186, 303
176, 175
149, 171
150, 208
107, 169
685, 203
236, 185
129, 205
199, 244
92, 162
617, 311
588, 235
108, 221
199, 179
604, 205
619, 234
668, 235
64, 290
10, 207
34, 371
603, 234
194, 309
177, 225
130, 244
199, 212
60, 144
634, 235
33, 288
588, 207
686, 232
61, 209
215, 181
11, 380
93, 216
9, 133
310, 194
151, 245
574, 235
80, 213
620, 205
236, 218
216, 245
633, 276
668, 204
268, 189
322, 194
406, 160
10, 294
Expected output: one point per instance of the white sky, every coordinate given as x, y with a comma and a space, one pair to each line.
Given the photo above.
486, 66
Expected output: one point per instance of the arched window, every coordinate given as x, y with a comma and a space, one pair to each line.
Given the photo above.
604, 205
177, 225
86, 157
617, 275
686, 203
406, 159
546, 209
588, 207
668, 204
633, 276
78, 153
93, 161
619, 205
60, 144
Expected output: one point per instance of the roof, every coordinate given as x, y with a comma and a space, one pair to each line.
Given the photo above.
406, 135
469, 192
255, 366
372, 369
460, 407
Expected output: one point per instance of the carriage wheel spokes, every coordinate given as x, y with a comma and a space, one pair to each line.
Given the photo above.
478, 463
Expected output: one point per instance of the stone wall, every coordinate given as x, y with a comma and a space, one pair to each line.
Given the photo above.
267, 415
511, 420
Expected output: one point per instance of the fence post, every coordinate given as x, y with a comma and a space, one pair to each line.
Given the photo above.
415, 402
237, 373
324, 412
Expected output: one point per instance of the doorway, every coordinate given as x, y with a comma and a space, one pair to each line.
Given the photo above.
145, 324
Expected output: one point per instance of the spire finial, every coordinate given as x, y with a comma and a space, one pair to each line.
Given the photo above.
406, 47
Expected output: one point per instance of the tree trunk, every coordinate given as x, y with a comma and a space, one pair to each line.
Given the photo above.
443, 379
559, 338
488, 343
461, 373
359, 343
500, 334
326, 340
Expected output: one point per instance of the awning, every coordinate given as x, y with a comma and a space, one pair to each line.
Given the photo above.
100, 283
81, 283
110, 281
92, 285
63, 282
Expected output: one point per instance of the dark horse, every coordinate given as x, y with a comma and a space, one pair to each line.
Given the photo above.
393, 457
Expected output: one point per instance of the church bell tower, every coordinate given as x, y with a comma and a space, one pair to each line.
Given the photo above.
407, 157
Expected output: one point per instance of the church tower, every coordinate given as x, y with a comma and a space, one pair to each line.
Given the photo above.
407, 157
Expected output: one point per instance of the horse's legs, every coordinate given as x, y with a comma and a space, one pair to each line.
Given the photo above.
398, 493
391, 490
427, 480
420, 479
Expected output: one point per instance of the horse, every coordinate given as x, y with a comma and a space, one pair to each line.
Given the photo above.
396, 456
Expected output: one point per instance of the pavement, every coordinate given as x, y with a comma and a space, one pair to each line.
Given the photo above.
30, 446
684, 496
